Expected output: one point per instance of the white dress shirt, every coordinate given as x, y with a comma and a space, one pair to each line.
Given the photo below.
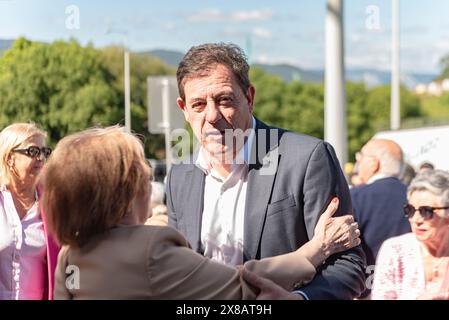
224, 207
22, 252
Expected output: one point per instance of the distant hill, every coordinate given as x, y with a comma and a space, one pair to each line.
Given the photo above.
370, 77
5, 44
172, 58
289, 73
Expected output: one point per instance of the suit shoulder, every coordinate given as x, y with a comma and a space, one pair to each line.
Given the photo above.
180, 169
383, 185
289, 139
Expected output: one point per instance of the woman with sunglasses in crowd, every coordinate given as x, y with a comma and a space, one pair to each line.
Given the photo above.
28, 255
415, 265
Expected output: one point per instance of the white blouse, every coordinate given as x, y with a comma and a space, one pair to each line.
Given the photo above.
22, 252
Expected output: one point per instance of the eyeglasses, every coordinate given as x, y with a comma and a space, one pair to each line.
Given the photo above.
425, 211
359, 155
35, 152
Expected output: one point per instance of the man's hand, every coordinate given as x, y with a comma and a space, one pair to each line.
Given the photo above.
268, 289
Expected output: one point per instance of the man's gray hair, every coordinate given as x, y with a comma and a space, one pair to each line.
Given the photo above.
434, 181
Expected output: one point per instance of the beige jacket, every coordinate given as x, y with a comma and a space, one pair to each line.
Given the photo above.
152, 262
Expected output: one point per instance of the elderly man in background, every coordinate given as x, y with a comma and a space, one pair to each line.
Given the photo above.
378, 202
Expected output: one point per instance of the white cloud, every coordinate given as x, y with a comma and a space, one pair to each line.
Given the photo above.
266, 59
206, 15
355, 37
214, 15
230, 31
262, 33
168, 26
258, 15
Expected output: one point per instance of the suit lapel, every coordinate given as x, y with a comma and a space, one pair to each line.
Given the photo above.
259, 190
195, 179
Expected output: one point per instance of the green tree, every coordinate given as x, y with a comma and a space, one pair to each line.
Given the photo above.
444, 64
360, 129
141, 67
65, 88
303, 108
61, 86
378, 106
299, 107
269, 92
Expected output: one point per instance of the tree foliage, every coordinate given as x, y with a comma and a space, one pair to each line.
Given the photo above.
299, 107
65, 88
61, 86
444, 64
141, 67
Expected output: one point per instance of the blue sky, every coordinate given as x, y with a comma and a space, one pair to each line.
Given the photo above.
289, 31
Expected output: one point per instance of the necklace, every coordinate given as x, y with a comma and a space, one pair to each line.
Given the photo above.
436, 267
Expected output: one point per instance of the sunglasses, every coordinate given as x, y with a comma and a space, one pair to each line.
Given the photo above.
425, 211
35, 152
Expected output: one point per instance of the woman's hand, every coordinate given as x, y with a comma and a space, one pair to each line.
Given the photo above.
336, 234
332, 235
268, 289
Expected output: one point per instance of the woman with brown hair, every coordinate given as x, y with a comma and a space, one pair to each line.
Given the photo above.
97, 189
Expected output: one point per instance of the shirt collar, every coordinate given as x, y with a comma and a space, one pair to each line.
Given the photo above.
377, 176
242, 156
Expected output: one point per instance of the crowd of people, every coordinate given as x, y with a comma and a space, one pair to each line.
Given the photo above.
265, 214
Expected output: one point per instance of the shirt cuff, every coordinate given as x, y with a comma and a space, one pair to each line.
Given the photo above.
302, 293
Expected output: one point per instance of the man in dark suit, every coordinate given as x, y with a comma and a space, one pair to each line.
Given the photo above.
378, 202
252, 191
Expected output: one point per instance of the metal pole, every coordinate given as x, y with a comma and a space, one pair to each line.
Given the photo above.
126, 81
395, 117
166, 123
335, 128
127, 93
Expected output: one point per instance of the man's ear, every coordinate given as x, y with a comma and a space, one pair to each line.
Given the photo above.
375, 165
182, 105
250, 95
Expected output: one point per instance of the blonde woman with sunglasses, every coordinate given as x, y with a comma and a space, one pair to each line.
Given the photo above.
27, 253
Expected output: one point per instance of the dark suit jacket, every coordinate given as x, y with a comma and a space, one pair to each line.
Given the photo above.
378, 211
291, 179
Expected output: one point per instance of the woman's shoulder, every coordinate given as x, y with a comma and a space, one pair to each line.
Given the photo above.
400, 244
149, 233
405, 238
135, 240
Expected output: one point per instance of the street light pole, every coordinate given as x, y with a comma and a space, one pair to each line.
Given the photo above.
126, 76
127, 91
335, 125
395, 117
166, 123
